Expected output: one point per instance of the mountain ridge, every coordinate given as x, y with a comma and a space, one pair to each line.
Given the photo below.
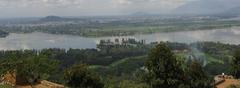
207, 7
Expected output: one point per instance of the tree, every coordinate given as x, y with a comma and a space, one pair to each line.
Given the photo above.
79, 76
36, 68
31, 69
163, 68
7, 67
197, 78
236, 64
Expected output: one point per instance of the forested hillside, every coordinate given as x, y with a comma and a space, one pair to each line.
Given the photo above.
124, 66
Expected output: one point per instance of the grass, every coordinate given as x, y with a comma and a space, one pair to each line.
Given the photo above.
122, 61
6, 86
124, 66
211, 59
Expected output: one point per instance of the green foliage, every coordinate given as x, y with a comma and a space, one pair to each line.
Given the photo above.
211, 68
197, 77
218, 55
163, 68
120, 82
236, 64
132, 84
8, 65
123, 66
31, 68
6, 86
79, 76
37, 67
91, 56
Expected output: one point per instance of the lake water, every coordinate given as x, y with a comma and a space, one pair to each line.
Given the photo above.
43, 40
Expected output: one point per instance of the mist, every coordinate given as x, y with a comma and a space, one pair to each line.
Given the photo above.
40, 8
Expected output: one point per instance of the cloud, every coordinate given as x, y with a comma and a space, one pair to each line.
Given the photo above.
86, 7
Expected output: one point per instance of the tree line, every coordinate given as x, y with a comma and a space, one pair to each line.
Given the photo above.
162, 68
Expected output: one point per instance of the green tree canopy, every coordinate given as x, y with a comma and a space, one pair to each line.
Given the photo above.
79, 76
32, 69
163, 68
236, 64
35, 68
197, 78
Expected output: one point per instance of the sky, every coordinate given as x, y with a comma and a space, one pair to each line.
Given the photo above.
39, 8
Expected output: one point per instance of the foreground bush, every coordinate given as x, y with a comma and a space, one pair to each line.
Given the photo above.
79, 76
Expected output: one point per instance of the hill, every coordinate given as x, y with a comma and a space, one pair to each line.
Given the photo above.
141, 14
52, 18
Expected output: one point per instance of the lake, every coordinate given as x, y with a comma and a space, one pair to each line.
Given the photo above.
38, 40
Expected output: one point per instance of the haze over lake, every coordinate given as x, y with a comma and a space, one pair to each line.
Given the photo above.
38, 40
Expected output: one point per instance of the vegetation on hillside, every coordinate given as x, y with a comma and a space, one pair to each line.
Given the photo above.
236, 64
29, 69
79, 76
125, 67
163, 69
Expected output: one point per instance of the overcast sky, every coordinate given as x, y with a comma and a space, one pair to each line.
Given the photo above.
36, 8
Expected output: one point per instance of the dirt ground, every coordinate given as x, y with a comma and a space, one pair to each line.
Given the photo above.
228, 82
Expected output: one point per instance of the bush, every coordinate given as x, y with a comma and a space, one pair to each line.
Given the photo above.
79, 76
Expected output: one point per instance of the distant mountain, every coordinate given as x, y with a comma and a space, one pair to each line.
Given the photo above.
141, 14
206, 7
52, 18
